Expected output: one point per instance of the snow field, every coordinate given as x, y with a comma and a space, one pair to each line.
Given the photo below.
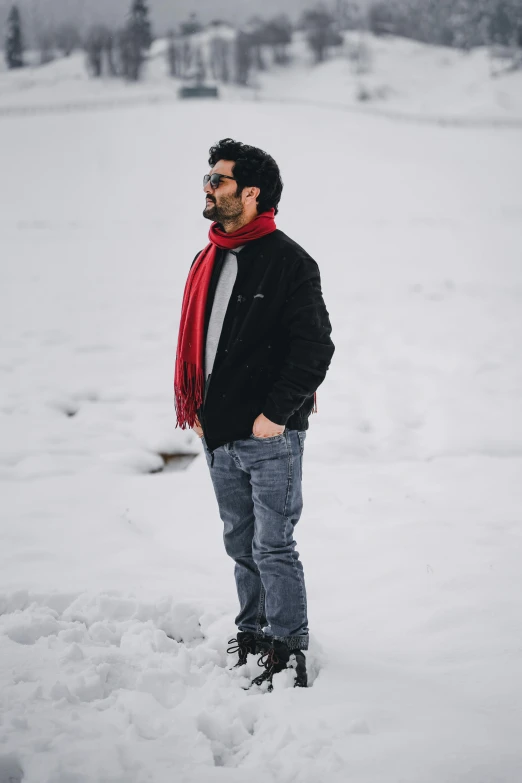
117, 600
403, 79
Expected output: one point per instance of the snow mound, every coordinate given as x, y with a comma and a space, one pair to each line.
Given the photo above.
118, 687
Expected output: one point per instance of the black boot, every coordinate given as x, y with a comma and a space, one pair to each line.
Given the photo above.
244, 643
274, 659
301, 677
263, 645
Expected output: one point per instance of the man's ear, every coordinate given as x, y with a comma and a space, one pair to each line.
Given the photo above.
253, 193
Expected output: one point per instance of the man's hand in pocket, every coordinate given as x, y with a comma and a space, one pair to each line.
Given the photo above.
264, 428
197, 428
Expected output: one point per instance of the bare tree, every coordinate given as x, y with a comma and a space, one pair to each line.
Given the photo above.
505, 23
134, 40
220, 59
383, 18
459, 23
110, 50
46, 46
321, 34
349, 15
173, 55
255, 29
278, 34
67, 38
98, 41
131, 53
243, 58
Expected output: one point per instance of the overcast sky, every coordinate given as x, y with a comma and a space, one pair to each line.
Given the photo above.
165, 14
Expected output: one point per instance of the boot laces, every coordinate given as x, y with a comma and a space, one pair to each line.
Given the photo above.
239, 647
269, 660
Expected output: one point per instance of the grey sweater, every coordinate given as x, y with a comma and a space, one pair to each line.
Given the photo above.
224, 287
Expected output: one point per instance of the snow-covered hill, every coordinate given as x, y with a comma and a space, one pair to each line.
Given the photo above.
391, 76
404, 78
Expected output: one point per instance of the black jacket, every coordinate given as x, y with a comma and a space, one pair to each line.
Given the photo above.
275, 346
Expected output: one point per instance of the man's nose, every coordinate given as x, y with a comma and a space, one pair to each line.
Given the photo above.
207, 188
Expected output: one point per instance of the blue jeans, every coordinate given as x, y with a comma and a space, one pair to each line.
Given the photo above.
257, 482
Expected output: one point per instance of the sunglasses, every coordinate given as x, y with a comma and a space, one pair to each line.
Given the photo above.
215, 180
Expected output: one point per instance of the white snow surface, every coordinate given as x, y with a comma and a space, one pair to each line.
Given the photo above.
403, 79
117, 599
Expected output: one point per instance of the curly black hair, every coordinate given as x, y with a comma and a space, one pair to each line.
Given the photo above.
253, 168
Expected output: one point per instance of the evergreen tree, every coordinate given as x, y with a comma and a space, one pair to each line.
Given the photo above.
14, 50
139, 24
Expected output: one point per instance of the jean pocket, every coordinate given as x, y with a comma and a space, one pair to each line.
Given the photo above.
271, 438
301, 434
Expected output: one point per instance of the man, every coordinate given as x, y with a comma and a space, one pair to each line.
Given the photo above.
254, 345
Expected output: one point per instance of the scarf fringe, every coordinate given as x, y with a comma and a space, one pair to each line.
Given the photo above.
188, 395
314, 409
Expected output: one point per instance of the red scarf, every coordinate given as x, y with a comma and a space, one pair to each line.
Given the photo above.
189, 381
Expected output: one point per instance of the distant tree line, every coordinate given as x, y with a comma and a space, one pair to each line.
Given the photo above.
225, 53
459, 23
198, 52
121, 53
228, 54
112, 53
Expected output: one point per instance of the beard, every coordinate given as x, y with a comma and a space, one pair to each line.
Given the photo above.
229, 208
211, 212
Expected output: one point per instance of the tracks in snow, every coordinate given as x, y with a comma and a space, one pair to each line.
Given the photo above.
100, 687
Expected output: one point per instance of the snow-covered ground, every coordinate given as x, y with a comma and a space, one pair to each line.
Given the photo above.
117, 599
403, 79
65, 83
398, 78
